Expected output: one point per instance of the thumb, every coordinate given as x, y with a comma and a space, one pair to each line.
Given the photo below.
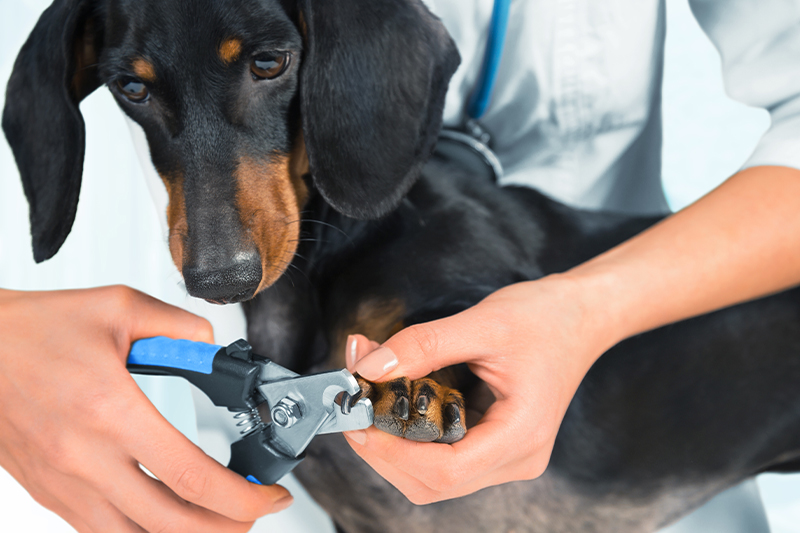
137, 315
421, 349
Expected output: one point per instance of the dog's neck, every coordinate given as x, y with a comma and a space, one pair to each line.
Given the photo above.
329, 238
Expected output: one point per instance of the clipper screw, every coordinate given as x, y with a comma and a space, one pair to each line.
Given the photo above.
286, 413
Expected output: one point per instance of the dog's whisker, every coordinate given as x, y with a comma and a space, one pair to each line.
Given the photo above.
291, 265
291, 280
340, 230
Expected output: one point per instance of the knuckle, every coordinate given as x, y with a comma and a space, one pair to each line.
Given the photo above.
61, 454
68, 463
120, 301
191, 482
99, 409
120, 296
203, 328
425, 337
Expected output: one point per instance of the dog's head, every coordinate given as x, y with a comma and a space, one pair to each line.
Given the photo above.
245, 104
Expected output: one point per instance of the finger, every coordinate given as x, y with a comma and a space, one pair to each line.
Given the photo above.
411, 487
149, 317
488, 445
48, 501
68, 497
103, 516
72, 519
421, 494
358, 346
421, 349
155, 507
84, 507
193, 475
69, 516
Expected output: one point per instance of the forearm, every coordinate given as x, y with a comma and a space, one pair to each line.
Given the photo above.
739, 242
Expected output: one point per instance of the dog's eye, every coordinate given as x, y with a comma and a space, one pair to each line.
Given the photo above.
269, 66
133, 89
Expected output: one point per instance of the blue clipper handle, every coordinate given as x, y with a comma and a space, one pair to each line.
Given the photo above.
227, 375
163, 352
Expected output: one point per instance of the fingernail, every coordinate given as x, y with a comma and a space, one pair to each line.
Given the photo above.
358, 436
352, 347
377, 364
282, 504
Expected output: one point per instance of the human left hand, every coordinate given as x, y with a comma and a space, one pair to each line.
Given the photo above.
531, 343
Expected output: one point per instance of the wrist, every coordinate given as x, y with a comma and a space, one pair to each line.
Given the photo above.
599, 295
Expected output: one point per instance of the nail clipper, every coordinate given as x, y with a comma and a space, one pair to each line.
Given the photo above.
279, 412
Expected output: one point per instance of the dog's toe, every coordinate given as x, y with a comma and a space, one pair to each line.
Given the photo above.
454, 426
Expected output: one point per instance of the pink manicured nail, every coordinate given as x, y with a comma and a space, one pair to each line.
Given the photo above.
377, 364
352, 351
359, 436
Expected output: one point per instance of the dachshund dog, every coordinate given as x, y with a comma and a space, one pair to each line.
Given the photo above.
297, 142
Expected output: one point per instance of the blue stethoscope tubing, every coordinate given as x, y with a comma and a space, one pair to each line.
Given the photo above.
481, 97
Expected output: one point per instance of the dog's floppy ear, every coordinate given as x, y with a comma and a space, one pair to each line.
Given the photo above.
373, 84
54, 71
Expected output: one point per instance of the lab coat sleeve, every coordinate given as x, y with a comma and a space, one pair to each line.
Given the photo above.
759, 42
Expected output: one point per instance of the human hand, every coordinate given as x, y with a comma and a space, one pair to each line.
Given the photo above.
74, 426
531, 343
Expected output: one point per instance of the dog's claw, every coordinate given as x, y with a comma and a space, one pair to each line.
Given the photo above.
401, 407
452, 414
454, 430
422, 404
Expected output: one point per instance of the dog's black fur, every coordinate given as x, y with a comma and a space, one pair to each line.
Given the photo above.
661, 423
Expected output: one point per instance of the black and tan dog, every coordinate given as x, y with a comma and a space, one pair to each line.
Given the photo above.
295, 140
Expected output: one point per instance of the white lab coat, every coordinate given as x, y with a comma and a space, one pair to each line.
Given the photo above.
576, 112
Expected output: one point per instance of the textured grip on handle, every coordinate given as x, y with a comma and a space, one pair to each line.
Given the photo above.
174, 353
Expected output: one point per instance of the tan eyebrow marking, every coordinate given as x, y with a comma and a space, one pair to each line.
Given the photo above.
301, 19
230, 49
144, 69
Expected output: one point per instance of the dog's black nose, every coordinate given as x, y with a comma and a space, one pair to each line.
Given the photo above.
233, 283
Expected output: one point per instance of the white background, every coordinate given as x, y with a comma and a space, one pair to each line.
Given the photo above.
117, 237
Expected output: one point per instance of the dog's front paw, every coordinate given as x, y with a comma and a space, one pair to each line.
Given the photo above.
421, 410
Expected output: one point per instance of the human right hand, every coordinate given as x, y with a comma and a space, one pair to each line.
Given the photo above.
74, 426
